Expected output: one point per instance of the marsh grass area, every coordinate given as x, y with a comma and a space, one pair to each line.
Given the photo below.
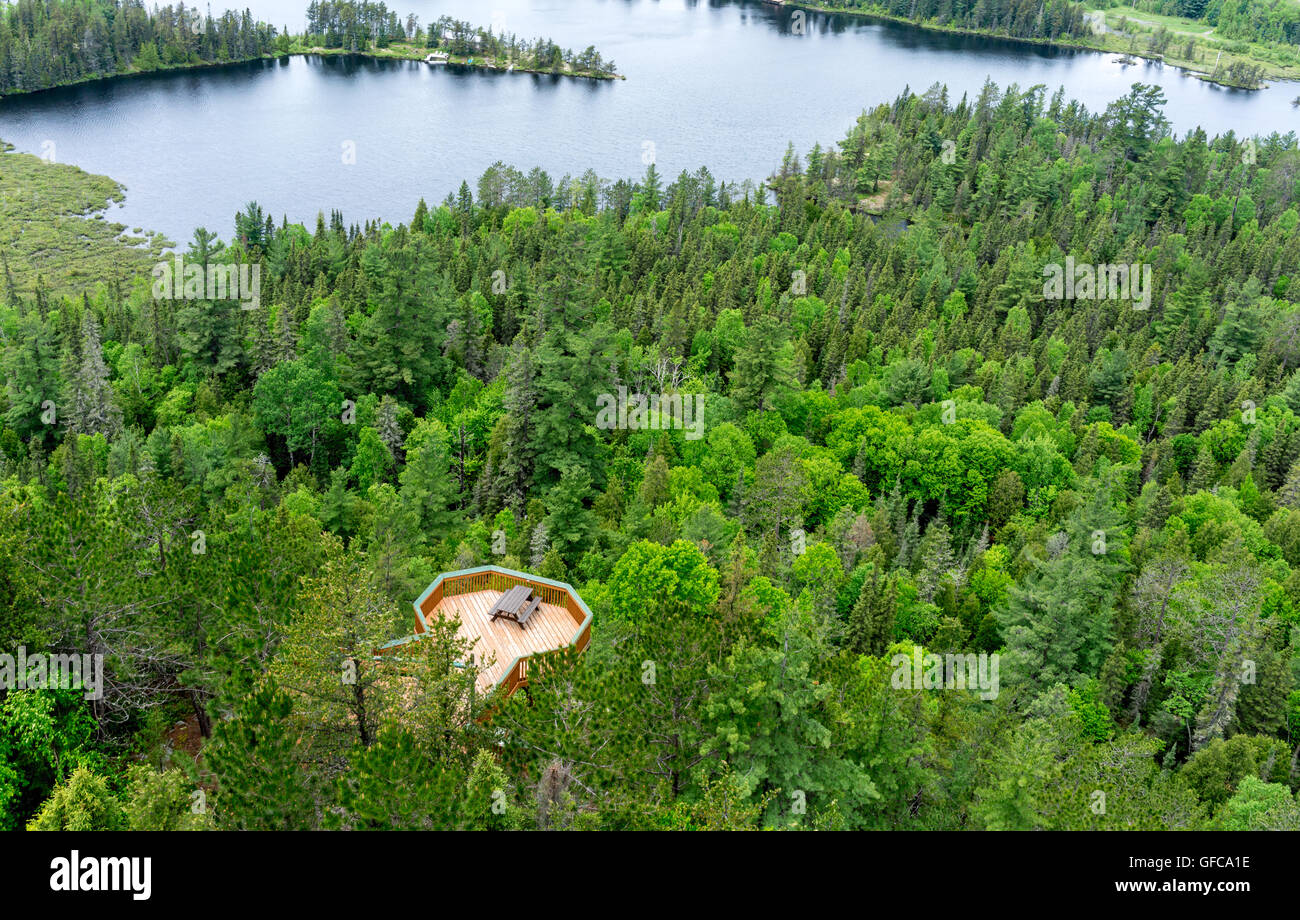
55, 236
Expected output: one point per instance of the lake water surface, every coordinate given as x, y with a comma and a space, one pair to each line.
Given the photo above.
722, 84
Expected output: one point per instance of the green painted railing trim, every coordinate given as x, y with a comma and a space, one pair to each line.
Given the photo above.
406, 640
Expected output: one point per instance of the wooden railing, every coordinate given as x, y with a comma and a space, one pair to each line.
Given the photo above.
454, 585
516, 677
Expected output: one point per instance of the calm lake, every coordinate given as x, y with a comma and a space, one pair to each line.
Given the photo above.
721, 84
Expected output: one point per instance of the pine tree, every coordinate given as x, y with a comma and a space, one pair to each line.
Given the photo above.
32, 375
83, 803
400, 345
286, 336
1058, 623
371, 461
390, 432
761, 370
326, 662
1223, 613
871, 622
427, 487
1263, 705
654, 482
1289, 495
539, 545
938, 561
88, 398
256, 760
515, 435
1152, 596
571, 526
650, 188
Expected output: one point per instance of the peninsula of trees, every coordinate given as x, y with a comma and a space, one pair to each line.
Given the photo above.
366, 27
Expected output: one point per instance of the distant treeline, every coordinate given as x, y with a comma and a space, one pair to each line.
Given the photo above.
45, 43
1050, 19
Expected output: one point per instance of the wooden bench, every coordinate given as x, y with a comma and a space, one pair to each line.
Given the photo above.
507, 606
529, 609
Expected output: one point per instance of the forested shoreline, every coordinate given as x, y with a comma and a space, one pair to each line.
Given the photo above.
1248, 51
1054, 20
51, 43
48, 43
911, 445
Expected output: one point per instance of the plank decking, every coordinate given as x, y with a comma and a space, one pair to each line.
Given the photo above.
551, 627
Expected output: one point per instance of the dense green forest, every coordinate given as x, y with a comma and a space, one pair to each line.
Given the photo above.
46, 43
911, 442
